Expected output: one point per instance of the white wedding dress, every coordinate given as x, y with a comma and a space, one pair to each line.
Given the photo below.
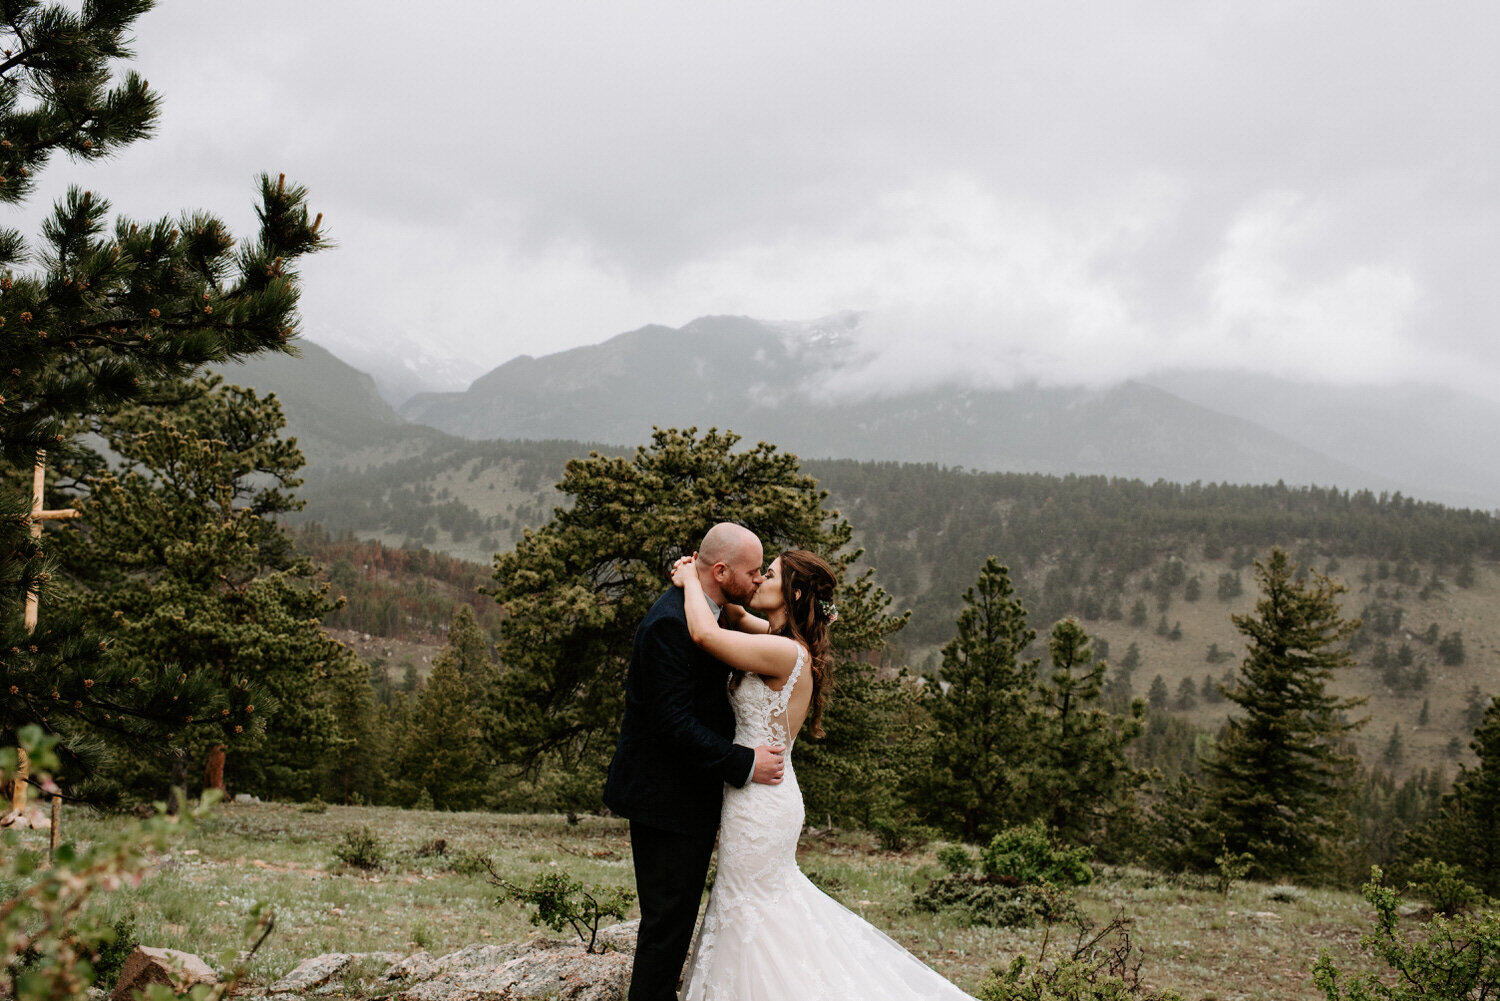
769, 934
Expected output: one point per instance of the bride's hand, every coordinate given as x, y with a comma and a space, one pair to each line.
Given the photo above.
681, 570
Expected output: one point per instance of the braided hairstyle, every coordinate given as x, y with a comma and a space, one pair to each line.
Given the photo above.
807, 584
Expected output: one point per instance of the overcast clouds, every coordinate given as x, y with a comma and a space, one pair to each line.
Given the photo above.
1059, 191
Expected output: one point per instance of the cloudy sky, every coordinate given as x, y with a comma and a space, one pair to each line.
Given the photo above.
1060, 191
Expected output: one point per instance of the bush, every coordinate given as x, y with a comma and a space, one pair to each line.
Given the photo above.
361, 850
1448, 959
895, 836
1027, 855
114, 950
1024, 877
557, 900
955, 858
1284, 893
1443, 886
1104, 966
986, 900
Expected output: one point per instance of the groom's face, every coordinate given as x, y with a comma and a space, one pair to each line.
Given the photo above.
741, 578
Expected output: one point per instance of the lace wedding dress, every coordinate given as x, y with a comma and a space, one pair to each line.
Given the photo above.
769, 934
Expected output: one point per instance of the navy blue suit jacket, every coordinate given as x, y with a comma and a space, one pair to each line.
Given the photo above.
676, 746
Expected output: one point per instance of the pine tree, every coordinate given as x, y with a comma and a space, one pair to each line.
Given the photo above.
850, 774
984, 719
444, 751
212, 619
113, 314
576, 588
1281, 777
1395, 748
1157, 695
1082, 777
1466, 830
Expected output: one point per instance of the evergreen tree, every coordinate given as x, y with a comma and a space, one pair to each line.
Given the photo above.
1158, 694
1281, 777
444, 752
1451, 649
1426, 716
1476, 704
1082, 778
1138, 613
1466, 830
1187, 696
850, 774
984, 718
576, 588
181, 569
1395, 748
113, 314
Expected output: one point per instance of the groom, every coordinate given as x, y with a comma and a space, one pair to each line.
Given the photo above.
675, 753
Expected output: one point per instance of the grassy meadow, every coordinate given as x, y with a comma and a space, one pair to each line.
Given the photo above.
1256, 943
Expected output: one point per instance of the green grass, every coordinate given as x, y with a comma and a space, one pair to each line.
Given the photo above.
1245, 946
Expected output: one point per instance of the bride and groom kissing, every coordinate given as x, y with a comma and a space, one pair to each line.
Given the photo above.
714, 700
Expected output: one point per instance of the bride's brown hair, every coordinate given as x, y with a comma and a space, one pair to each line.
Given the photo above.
807, 583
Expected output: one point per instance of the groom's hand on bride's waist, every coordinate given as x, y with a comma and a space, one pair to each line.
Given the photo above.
768, 765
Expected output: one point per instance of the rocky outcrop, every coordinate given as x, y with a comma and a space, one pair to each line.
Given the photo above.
518, 971
146, 966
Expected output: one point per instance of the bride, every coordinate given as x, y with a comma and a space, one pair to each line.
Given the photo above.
769, 934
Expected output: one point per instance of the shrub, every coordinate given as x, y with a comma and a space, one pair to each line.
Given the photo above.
1027, 855
1232, 867
1443, 886
360, 850
895, 836
558, 900
985, 900
1103, 966
1284, 893
1024, 877
1448, 959
955, 858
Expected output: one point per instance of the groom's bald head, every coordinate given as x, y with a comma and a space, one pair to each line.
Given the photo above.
729, 562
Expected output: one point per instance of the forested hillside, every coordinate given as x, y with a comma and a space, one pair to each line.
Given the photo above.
1155, 567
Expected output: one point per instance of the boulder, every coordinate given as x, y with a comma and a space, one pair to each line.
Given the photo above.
620, 937
567, 974
312, 973
146, 966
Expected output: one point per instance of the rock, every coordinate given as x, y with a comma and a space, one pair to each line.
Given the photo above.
245, 797
567, 974
313, 972
620, 937
146, 966
418, 966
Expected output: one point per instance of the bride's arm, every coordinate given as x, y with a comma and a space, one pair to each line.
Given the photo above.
738, 619
755, 653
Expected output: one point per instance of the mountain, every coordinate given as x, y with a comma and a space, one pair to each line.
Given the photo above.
1437, 441
768, 382
331, 407
401, 366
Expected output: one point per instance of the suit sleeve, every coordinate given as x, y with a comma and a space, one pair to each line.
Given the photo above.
668, 646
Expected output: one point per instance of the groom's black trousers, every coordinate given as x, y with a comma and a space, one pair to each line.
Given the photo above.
670, 870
